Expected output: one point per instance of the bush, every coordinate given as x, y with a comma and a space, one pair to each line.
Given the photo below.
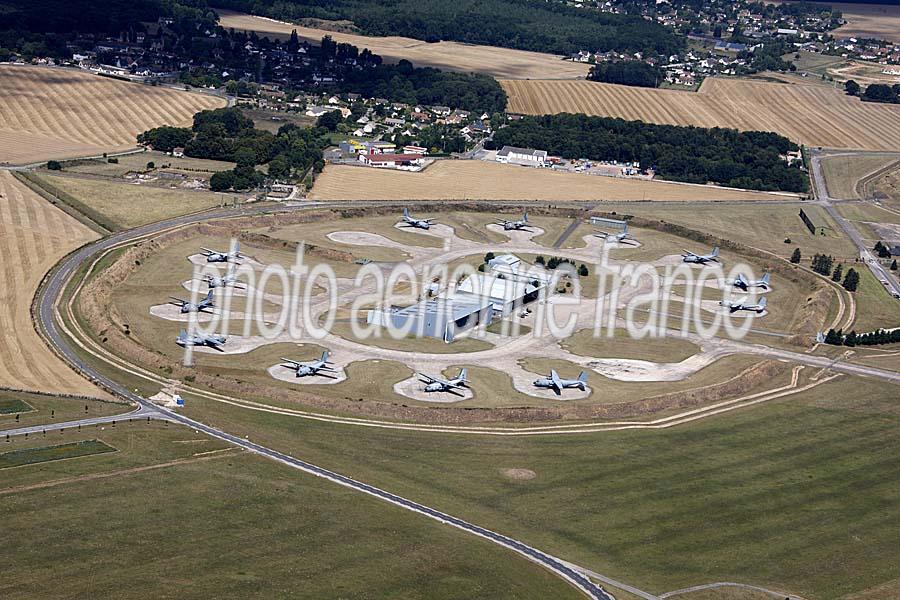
113, 161
54, 165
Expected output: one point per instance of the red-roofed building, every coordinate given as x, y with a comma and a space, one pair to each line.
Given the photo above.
391, 160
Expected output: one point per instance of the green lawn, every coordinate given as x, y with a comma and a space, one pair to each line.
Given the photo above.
237, 526
799, 494
30, 456
875, 307
10, 406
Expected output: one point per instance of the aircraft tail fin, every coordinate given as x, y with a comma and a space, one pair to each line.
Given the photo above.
209, 296
525, 217
715, 252
325, 356
762, 304
463, 375
182, 334
406, 212
765, 278
582, 377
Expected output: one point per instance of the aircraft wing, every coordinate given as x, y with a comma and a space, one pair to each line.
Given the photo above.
427, 378
293, 362
207, 251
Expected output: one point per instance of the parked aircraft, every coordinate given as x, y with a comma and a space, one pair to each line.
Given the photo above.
214, 256
413, 222
743, 283
521, 224
743, 304
311, 367
555, 383
619, 236
215, 342
436, 384
701, 259
191, 307
229, 279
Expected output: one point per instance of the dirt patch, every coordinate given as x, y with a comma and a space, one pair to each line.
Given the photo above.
518, 474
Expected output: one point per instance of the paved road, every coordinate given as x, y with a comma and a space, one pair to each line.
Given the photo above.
51, 292
821, 190
141, 412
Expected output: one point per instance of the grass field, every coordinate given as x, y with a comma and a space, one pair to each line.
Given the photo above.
844, 172
448, 56
124, 205
172, 511
828, 117
193, 167
733, 498
760, 226
54, 113
482, 180
887, 188
621, 345
874, 305
10, 406
32, 456
34, 235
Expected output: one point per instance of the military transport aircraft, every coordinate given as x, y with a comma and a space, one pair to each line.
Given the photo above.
229, 279
311, 367
215, 342
413, 222
213, 256
743, 304
701, 259
743, 283
521, 224
619, 236
555, 383
436, 384
191, 307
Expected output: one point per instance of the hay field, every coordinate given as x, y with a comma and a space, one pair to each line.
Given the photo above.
481, 180
869, 21
54, 113
448, 56
814, 115
34, 235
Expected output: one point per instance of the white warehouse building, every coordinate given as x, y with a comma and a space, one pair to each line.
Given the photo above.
522, 156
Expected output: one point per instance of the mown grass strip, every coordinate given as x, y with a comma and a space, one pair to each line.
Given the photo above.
31, 456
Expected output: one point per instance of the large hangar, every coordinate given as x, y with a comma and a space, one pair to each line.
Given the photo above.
441, 318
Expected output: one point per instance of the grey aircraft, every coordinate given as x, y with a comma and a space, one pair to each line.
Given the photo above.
413, 222
744, 304
436, 384
215, 342
192, 307
745, 284
557, 384
311, 367
229, 279
701, 259
520, 225
619, 236
214, 256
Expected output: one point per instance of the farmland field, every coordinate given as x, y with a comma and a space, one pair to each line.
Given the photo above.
481, 180
449, 56
844, 172
814, 115
54, 113
34, 235
869, 21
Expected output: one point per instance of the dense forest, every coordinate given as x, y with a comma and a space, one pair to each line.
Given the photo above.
691, 154
628, 72
524, 24
227, 134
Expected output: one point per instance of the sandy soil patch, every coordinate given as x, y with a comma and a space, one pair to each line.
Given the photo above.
518, 474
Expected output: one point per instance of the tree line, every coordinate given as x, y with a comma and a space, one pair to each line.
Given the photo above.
628, 72
728, 157
523, 24
875, 92
227, 134
872, 338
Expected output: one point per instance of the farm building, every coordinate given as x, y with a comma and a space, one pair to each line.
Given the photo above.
442, 318
391, 161
522, 156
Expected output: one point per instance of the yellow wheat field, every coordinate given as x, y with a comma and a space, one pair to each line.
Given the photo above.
34, 235
55, 113
449, 56
810, 114
480, 180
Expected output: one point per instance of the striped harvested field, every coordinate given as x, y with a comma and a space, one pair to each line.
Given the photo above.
34, 235
480, 180
48, 113
814, 115
448, 56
